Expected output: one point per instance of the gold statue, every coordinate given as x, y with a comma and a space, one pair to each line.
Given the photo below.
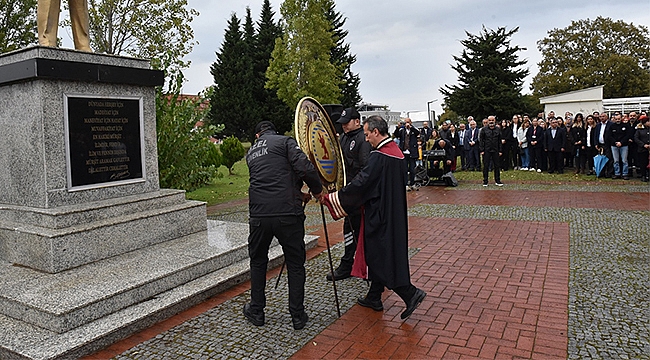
48, 22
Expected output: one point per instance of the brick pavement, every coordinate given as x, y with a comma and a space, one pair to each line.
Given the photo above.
496, 288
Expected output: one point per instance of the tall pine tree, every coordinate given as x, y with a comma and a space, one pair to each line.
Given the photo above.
232, 99
271, 107
489, 76
341, 57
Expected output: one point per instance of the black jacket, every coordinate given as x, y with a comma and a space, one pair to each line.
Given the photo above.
413, 134
535, 134
489, 140
618, 133
642, 137
556, 143
355, 152
277, 170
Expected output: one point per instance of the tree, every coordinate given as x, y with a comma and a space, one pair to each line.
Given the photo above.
595, 52
300, 64
17, 24
186, 158
233, 151
271, 107
232, 99
341, 57
489, 75
147, 29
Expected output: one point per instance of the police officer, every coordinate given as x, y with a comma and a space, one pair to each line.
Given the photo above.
355, 156
278, 169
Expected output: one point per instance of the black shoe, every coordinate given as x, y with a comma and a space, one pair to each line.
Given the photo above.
413, 304
338, 275
373, 304
255, 319
300, 320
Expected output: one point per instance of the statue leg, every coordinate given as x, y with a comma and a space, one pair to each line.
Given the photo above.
80, 24
47, 15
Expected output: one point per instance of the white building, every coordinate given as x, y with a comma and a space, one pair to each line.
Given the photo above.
586, 101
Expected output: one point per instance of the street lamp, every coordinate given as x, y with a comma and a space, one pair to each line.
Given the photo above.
429, 110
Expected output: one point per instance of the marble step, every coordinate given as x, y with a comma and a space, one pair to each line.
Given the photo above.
73, 297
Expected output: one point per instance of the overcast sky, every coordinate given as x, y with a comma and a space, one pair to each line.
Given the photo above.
404, 48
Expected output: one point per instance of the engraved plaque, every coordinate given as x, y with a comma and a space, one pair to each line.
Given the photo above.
104, 141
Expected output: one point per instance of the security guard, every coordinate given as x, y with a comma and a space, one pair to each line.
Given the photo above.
355, 156
277, 169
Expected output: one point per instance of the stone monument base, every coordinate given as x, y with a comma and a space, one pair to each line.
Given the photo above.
79, 311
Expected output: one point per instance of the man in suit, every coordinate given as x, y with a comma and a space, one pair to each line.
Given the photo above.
603, 146
461, 147
555, 140
425, 132
408, 143
471, 146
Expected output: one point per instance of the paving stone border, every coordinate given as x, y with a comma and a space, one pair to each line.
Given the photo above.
609, 275
222, 332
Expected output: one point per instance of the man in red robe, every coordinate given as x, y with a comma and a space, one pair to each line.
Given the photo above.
379, 187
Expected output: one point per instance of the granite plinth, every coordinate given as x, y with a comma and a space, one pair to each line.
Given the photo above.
119, 226
120, 295
32, 116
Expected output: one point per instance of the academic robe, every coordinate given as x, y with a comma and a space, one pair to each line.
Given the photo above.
380, 189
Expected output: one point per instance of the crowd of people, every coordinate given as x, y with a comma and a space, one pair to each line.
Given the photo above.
540, 144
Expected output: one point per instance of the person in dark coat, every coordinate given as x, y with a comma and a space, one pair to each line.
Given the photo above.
555, 145
642, 140
408, 143
576, 137
589, 143
384, 238
602, 146
471, 145
355, 151
442, 144
618, 136
506, 144
277, 170
490, 146
535, 137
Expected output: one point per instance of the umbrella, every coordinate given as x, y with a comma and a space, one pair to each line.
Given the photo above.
600, 161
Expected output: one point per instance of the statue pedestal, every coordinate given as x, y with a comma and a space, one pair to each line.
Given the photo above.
91, 249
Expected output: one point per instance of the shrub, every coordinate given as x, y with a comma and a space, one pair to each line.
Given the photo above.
232, 151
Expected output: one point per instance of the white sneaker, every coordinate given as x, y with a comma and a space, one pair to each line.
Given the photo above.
532, 169
484, 185
498, 184
524, 169
539, 170
408, 188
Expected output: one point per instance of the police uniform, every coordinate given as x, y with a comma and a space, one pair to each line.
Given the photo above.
278, 168
355, 150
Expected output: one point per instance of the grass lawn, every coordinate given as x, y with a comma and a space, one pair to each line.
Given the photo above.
224, 188
235, 187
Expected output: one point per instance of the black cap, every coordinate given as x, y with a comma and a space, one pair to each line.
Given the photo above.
263, 126
347, 115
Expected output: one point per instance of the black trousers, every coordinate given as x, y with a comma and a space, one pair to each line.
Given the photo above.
406, 292
351, 227
473, 160
642, 163
535, 154
555, 161
410, 168
494, 156
290, 231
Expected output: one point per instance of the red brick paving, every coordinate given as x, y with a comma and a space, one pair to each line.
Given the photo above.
496, 289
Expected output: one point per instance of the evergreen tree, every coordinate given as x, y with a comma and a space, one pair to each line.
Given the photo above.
232, 98
489, 75
300, 64
595, 52
271, 107
341, 57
